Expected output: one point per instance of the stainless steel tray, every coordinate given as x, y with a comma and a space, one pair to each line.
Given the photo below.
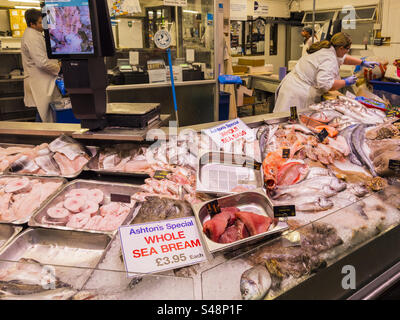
7, 234
106, 187
218, 173
46, 179
58, 248
7, 145
253, 201
277, 120
72, 176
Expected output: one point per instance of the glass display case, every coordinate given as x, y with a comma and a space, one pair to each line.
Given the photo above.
333, 257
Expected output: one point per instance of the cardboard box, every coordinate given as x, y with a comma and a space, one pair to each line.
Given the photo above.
251, 62
240, 69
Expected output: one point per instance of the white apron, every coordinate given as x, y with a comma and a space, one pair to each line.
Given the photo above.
313, 76
39, 85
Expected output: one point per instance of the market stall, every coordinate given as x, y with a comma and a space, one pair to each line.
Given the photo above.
328, 168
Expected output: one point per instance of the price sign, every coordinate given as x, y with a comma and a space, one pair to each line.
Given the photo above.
229, 132
293, 114
285, 153
213, 208
125, 198
322, 135
161, 174
159, 246
284, 211
394, 165
252, 165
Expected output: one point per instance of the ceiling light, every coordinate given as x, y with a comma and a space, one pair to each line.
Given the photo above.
26, 7
190, 11
25, 1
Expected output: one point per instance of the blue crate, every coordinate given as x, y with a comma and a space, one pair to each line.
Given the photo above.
391, 90
63, 115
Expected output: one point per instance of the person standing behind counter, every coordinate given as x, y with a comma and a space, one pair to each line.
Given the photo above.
39, 85
317, 73
307, 34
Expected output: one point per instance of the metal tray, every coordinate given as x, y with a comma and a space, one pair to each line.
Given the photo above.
106, 187
7, 145
7, 234
218, 173
72, 176
277, 120
46, 179
253, 201
61, 249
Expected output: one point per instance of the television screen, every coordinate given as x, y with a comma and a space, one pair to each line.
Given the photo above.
69, 27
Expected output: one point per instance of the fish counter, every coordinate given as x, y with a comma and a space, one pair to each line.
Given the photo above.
276, 215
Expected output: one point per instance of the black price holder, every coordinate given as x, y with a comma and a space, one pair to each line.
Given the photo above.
252, 165
213, 208
394, 165
284, 211
293, 114
322, 135
161, 174
125, 198
285, 153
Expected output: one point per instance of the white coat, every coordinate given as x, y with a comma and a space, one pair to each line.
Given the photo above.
39, 85
307, 45
313, 75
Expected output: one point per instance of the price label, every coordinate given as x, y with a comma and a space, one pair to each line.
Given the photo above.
213, 208
252, 165
284, 211
322, 135
285, 153
161, 174
293, 114
394, 165
125, 198
159, 246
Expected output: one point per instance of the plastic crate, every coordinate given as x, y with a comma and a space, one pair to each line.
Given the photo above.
63, 115
224, 101
391, 90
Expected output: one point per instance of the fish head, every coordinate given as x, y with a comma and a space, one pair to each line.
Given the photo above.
255, 283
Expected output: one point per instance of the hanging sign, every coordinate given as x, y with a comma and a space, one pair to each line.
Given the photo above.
179, 3
260, 9
238, 10
227, 133
159, 246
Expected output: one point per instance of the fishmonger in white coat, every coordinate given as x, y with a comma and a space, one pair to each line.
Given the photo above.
39, 85
317, 73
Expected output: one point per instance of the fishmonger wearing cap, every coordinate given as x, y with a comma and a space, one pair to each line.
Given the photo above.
307, 34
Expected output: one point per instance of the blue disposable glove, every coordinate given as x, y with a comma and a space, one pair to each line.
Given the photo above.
369, 64
350, 80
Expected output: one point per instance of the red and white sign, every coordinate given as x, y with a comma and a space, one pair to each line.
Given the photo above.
229, 132
159, 246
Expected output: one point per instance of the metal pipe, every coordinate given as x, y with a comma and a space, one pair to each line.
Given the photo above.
313, 22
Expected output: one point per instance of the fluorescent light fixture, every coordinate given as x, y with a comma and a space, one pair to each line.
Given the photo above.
190, 11
26, 7
25, 1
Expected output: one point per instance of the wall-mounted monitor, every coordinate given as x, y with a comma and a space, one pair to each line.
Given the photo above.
77, 29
